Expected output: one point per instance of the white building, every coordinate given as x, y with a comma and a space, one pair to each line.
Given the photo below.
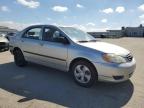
98, 34
135, 31
124, 32
115, 33
108, 33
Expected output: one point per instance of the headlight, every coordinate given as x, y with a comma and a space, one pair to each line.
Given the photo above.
113, 58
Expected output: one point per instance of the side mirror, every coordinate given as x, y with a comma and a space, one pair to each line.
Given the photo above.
62, 39
31, 33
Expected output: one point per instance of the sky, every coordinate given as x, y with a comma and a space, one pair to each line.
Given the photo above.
88, 15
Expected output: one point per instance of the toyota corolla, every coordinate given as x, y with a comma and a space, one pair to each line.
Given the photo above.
72, 50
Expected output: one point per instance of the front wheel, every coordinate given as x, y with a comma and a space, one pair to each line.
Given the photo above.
84, 73
19, 58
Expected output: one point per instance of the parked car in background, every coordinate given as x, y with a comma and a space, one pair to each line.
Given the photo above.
4, 44
72, 50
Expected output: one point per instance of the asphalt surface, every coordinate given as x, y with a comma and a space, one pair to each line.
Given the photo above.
36, 86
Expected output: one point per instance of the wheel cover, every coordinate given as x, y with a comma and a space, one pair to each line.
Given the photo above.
82, 73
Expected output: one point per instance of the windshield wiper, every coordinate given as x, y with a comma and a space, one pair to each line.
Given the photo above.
87, 41
83, 41
92, 40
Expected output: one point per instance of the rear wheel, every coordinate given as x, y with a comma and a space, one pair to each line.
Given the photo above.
19, 58
84, 73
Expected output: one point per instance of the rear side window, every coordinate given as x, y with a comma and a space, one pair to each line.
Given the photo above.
33, 33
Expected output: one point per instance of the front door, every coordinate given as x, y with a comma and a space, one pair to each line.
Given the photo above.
53, 53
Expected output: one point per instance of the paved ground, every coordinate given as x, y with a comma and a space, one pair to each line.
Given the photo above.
36, 86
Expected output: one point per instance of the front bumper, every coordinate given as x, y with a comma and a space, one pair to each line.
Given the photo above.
115, 72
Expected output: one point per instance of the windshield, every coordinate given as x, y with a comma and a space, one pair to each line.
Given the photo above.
77, 35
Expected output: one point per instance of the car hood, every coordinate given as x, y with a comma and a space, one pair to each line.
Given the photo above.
3, 39
105, 47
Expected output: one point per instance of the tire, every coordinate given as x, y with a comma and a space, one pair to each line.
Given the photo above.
19, 58
84, 73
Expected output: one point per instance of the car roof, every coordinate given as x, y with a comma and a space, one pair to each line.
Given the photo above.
42, 25
50, 26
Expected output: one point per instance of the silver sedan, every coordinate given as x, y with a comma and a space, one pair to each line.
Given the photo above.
72, 50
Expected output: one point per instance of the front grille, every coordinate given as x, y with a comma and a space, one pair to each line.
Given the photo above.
4, 46
130, 75
2, 43
118, 77
129, 58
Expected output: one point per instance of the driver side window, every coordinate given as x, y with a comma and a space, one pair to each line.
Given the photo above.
50, 34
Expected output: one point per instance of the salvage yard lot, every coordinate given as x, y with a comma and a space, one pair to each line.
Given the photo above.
37, 86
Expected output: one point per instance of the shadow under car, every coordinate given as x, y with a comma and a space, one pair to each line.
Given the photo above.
43, 83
